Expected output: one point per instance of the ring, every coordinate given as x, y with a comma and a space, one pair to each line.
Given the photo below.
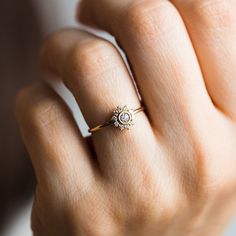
122, 118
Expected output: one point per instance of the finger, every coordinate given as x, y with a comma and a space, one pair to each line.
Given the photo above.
97, 76
212, 26
57, 149
160, 52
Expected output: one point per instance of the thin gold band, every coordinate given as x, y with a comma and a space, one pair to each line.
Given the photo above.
99, 127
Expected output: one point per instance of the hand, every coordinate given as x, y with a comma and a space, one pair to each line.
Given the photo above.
174, 172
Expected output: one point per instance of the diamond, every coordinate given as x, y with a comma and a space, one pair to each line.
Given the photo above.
125, 117
114, 118
116, 124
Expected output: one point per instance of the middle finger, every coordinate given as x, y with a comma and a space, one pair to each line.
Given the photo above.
161, 54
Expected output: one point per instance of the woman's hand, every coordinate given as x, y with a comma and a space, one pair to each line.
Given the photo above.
174, 172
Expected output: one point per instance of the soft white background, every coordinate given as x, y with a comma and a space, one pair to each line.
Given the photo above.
53, 15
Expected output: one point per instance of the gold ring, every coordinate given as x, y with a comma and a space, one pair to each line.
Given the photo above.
122, 118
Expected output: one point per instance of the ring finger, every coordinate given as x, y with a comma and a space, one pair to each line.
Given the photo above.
95, 73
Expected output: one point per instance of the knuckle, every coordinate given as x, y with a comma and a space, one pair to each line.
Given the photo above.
40, 111
147, 20
150, 198
35, 113
89, 57
52, 48
170, 208
214, 14
47, 113
218, 186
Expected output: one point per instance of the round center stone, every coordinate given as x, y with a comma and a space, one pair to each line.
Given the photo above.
124, 117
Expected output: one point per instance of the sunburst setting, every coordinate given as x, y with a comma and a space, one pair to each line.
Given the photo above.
123, 117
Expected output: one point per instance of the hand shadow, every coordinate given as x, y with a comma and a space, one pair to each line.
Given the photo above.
20, 36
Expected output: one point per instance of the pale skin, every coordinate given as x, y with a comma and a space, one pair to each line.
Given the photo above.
174, 172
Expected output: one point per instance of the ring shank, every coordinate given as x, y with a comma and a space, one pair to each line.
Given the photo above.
99, 127
138, 110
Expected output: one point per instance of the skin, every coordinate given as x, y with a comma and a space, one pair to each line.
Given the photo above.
174, 172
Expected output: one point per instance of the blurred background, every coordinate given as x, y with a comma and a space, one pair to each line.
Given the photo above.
23, 25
